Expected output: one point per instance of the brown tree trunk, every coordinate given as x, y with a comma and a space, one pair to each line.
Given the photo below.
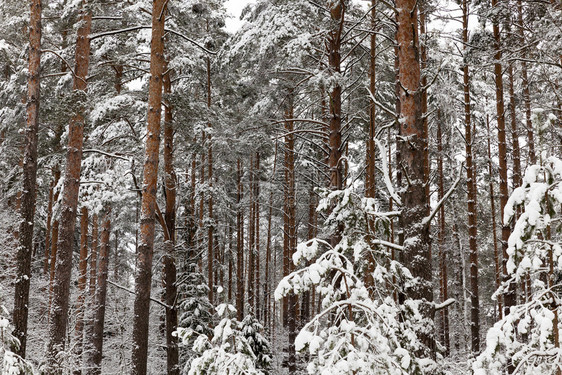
49, 226
444, 293
170, 294
417, 256
150, 176
94, 256
101, 292
257, 232
370, 182
54, 243
239, 247
25, 245
82, 278
517, 177
493, 215
210, 234
509, 295
251, 238
471, 193
526, 91
71, 185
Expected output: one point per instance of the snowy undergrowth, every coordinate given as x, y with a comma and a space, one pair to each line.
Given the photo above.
358, 331
528, 337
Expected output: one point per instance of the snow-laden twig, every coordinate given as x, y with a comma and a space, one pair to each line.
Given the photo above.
133, 292
444, 304
106, 154
387, 181
428, 219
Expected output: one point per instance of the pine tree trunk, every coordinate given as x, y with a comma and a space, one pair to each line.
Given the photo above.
417, 255
25, 245
240, 247
48, 225
517, 177
509, 295
257, 231
471, 195
71, 185
82, 278
210, 234
94, 257
150, 176
444, 292
251, 238
101, 292
493, 215
526, 91
170, 287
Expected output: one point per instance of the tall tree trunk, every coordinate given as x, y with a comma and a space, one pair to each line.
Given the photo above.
290, 225
257, 232
251, 238
471, 192
94, 257
170, 294
526, 91
370, 176
412, 149
509, 295
49, 225
443, 283
71, 185
517, 177
210, 234
150, 176
100, 297
493, 214
54, 243
25, 245
239, 247
82, 278
337, 15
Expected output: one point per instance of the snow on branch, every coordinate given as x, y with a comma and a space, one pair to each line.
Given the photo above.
428, 219
387, 181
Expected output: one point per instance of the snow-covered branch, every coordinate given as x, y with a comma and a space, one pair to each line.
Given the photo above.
428, 219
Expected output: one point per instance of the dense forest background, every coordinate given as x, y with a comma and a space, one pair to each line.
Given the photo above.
338, 187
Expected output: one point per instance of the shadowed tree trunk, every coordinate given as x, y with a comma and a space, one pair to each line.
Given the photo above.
100, 296
471, 194
82, 278
145, 249
509, 295
25, 245
239, 247
63, 269
170, 287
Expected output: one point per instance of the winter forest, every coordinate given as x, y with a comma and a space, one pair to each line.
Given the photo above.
332, 187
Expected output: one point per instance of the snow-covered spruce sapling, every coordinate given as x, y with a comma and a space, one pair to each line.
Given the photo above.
236, 348
358, 331
528, 337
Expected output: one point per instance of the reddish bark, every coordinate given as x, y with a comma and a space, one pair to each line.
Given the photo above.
239, 247
25, 245
416, 254
148, 207
71, 185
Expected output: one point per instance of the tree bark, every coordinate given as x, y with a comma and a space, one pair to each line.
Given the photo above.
444, 293
101, 293
210, 230
526, 91
170, 294
509, 295
150, 176
82, 278
71, 185
25, 245
417, 255
239, 247
471, 194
